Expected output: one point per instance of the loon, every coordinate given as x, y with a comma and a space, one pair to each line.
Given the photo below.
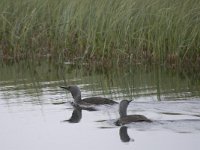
125, 119
76, 94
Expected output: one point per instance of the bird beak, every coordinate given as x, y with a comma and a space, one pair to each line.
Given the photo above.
64, 87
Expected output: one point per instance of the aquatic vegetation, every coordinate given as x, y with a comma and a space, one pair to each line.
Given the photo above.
106, 31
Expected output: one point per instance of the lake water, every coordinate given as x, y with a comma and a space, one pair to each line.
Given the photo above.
33, 115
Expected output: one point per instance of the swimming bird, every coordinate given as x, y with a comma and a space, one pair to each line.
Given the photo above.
125, 119
76, 94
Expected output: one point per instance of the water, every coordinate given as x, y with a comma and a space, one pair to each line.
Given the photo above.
33, 115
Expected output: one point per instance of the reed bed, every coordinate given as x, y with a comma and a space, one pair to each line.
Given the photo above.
162, 31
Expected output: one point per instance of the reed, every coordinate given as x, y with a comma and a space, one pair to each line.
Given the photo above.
138, 31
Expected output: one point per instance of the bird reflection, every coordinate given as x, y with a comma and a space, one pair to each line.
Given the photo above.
76, 115
124, 134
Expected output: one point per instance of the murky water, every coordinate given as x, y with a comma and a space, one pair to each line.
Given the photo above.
34, 116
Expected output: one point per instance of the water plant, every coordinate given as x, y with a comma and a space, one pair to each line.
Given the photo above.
166, 32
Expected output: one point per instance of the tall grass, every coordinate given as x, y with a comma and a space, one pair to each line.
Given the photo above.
166, 31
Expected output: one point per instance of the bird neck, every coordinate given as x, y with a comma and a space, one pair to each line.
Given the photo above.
123, 111
77, 99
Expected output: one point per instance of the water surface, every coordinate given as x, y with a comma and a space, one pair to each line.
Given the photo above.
33, 111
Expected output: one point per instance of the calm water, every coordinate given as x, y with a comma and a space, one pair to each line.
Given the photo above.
33, 116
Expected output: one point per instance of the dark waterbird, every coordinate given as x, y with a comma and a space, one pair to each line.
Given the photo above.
76, 94
125, 119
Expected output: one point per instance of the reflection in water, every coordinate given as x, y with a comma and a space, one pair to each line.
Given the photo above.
31, 90
76, 115
116, 83
124, 134
83, 107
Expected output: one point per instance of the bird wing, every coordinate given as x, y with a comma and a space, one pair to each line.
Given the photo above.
98, 100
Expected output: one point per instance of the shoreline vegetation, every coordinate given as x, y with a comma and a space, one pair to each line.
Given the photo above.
105, 32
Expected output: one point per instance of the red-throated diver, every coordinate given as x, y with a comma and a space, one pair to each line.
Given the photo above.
125, 119
76, 94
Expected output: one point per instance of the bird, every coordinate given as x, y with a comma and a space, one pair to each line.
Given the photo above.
76, 94
126, 119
